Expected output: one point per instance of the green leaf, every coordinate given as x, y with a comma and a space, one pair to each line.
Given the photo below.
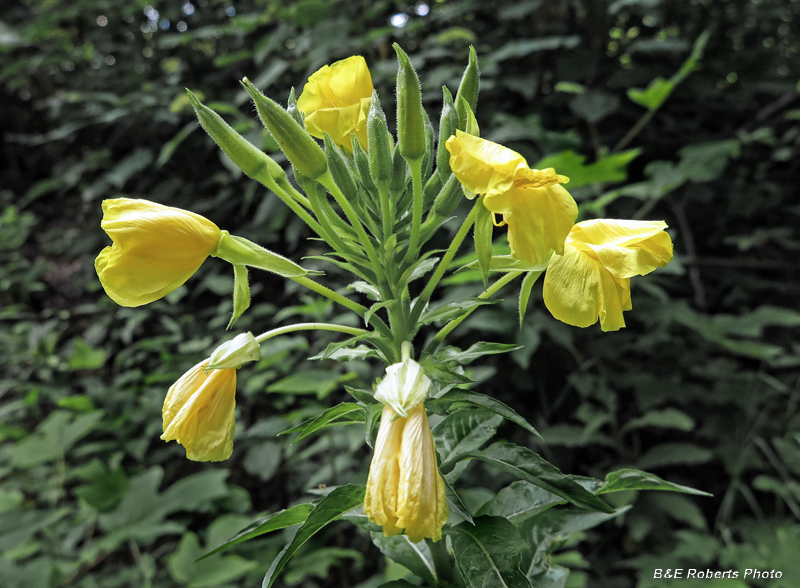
628, 479
346, 413
272, 522
525, 293
520, 501
654, 95
483, 239
483, 401
669, 418
363, 396
170, 146
414, 556
475, 351
330, 508
86, 357
463, 430
562, 522
186, 568
105, 488
53, 438
455, 503
311, 381
372, 413
489, 553
608, 168
526, 465
668, 454
452, 310
241, 293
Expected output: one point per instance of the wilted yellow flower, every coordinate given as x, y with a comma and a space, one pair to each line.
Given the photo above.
156, 249
405, 490
591, 279
336, 100
198, 412
538, 211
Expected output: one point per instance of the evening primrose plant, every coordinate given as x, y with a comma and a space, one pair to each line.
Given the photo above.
377, 199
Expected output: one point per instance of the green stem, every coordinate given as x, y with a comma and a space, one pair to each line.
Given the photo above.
283, 189
359, 309
423, 298
491, 290
293, 192
441, 561
387, 213
309, 327
416, 212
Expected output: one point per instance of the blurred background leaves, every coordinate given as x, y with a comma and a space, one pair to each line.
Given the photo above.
701, 388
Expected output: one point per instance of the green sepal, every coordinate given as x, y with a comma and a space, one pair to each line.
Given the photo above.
379, 143
240, 251
340, 170
410, 115
247, 157
483, 239
299, 147
448, 123
430, 137
525, 293
470, 81
466, 118
362, 165
294, 112
241, 293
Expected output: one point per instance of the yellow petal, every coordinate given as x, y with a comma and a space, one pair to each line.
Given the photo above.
156, 249
336, 100
198, 413
405, 490
540, 221
626, 248
484, 167
578, 291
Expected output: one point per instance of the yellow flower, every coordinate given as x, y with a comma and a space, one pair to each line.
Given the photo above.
591, 279
538, 211
198, 412
336, 100
156, 249
405, 490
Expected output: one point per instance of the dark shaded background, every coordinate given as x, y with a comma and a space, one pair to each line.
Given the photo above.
701, 388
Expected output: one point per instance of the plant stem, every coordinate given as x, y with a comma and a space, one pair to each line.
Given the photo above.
439, 337
309, 327
290, 197
387, 213
416, 212
423, 298
441, 561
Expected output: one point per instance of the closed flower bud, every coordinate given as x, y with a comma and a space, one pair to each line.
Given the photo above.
238, 351
198, 412
410, 119
156, 249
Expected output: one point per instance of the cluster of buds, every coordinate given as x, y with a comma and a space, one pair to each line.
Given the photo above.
377, 199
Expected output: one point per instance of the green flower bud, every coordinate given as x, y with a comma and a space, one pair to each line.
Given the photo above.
468, 88
410, 119
400, 173
300, 148
362, 165
448, 198
296, 113
240, 251
379, 143
238, 351
466, 118
431, 190
340, 170
448, 123
251, 160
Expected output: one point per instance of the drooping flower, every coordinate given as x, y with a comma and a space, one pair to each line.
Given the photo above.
539, 212
156, 249
405, 491
336, 100
198, 412
591, 280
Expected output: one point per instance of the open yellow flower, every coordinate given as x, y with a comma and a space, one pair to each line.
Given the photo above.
591, 279
336, 100
198, 412
156, 249
405, 490
539, 212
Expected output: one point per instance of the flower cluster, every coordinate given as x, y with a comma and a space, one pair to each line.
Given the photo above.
389, 201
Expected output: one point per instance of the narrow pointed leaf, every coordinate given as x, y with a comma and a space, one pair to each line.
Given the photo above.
414, 556
489, 403
346, 413
628, 479
525, 293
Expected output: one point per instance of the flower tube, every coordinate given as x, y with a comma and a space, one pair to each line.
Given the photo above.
591, 280
336, 100
538, 211
156, 249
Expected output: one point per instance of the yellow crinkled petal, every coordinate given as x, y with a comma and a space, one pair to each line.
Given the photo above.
405, 490
540, 222
421, 503
380, 500
156, 249
626, 248
484, 167
336, 100
572, 289
198, 413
